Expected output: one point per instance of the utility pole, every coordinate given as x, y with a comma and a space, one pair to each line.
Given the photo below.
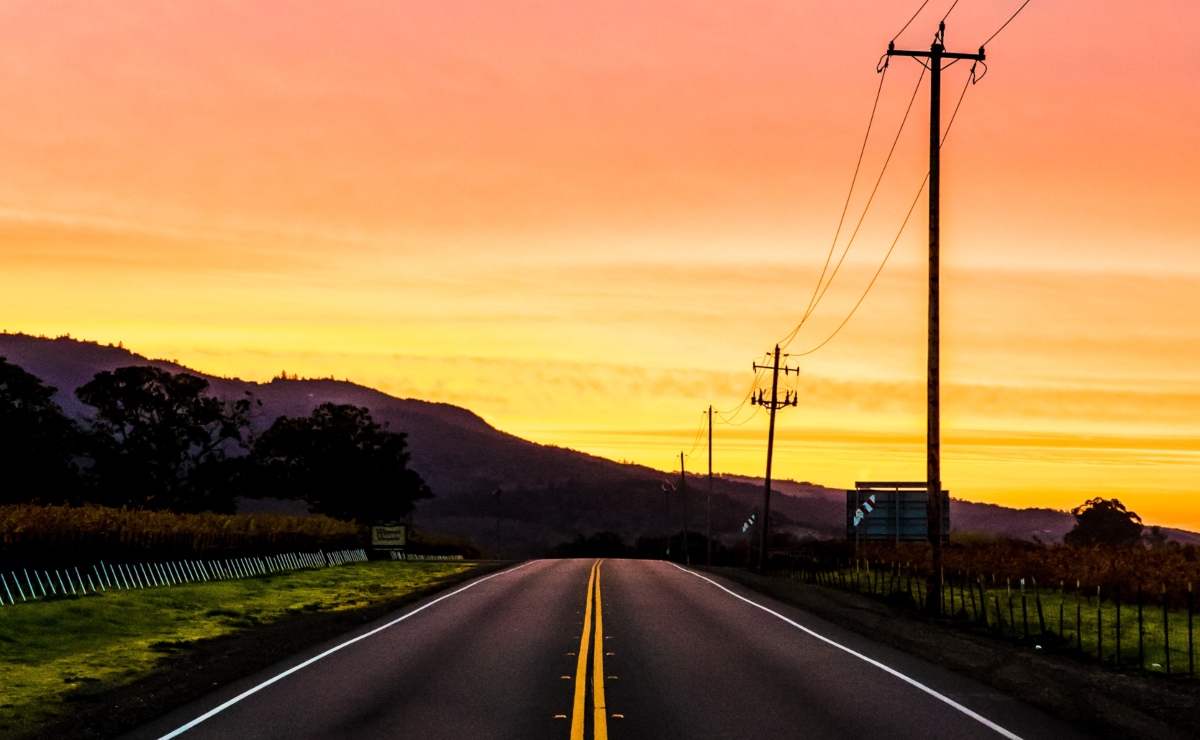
687, 552
667, 487
933, 433
497, 493
708, 559
773, 405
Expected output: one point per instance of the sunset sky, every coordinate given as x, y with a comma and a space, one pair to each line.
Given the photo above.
584, 221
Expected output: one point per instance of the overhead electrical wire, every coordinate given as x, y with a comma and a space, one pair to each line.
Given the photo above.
858, 226
948, 12
727, 417
822, 286
743, 422
853, 180
971, 79
699, 434
1001, 28
910, 20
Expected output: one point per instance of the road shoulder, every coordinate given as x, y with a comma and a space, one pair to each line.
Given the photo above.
201, 667
1104, 702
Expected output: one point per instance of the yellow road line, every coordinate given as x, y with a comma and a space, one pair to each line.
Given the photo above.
577, 718
599, 711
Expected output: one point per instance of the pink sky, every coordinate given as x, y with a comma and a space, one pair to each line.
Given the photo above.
584, 222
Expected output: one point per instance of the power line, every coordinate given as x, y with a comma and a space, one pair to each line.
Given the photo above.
971, 79
699, 434
853, 180
732, 414
873, 277
813, 306
910, 20
743, 422
1001, 28
948, 12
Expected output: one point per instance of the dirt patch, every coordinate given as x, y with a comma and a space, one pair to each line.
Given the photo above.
192, 669
1109, 703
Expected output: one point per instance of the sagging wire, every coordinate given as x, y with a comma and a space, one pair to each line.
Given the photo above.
866, 208
971, 80
727, 417
881, 68
699, 435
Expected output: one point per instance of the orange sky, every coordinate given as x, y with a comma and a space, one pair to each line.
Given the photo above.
585, 221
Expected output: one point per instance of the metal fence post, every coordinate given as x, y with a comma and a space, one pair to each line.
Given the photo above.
1118, 654
1191, 652
1166, 633
1024, 611
1141, 633
1078, 618
1037, 599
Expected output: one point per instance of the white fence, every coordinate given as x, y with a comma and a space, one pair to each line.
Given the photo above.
172, 573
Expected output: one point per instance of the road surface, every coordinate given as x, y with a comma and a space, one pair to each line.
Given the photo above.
574, 649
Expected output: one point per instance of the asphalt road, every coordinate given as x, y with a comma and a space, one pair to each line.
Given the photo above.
684, 655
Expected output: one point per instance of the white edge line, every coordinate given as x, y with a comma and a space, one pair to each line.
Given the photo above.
330, 651
941, 697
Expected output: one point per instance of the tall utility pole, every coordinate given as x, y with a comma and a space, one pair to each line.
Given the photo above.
933, 434
687, 553
496, 494
773, 404
667, 488
708, 559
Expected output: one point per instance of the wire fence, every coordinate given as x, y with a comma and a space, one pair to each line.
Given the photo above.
1151, 631
36, 585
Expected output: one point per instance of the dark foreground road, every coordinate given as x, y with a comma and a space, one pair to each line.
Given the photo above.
681, 656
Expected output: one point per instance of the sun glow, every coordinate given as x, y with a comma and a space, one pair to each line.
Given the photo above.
585, 223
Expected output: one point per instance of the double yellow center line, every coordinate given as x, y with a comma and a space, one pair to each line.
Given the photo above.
599, 712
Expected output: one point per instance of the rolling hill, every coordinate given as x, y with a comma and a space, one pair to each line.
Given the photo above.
549, 494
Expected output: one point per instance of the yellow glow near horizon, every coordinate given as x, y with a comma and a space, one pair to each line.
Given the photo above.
585, 223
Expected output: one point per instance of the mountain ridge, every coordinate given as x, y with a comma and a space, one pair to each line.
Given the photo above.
549, 493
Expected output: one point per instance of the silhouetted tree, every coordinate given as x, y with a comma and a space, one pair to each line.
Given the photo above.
37, 441
1156, 539
342, 462
161, 441
1104, 522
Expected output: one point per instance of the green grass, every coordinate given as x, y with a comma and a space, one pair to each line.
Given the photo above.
1085, 624
1075, 621
49, 649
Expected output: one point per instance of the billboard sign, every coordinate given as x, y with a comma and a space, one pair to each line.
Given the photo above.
892, 512
389, 536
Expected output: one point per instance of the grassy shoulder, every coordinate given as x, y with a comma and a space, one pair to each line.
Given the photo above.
1109, 703
60, 656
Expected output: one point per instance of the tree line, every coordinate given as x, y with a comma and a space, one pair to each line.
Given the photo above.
156, 440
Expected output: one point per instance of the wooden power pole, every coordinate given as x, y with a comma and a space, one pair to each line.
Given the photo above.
773, 404
687, 552
933, 433
708, 558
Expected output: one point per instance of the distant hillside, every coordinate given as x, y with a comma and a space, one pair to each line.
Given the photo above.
825, 508
549, 494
